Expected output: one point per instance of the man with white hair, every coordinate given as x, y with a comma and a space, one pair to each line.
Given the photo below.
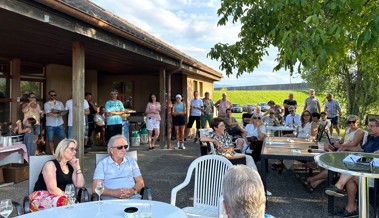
120, 174
244, 194
312, 103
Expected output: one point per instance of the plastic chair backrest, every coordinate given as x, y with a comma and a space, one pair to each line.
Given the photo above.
132, 154
36, 164
209, 173
365, 136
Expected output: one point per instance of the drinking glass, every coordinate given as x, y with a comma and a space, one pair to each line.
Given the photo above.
99, 189
146, 211
70, 193
6, 207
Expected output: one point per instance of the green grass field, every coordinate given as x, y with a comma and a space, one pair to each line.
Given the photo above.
254, 97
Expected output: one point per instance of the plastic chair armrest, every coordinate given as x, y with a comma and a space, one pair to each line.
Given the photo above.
26, 203
18, 208
83, 195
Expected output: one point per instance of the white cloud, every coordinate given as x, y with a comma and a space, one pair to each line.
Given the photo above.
191, 27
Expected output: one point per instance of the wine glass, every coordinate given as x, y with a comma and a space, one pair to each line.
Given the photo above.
99, 188
146, 211
6, 207
70, 193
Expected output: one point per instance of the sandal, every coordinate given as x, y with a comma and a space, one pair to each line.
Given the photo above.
303, 180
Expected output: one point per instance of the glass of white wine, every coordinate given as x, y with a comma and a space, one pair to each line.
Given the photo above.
99, 189
70, 193
6, 207
146, 211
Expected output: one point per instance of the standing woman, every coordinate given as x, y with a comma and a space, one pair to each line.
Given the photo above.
179, 114
32, 109
152, 111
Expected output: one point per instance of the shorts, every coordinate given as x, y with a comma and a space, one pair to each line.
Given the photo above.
178, 120
193, 119
233, 131
334, 120
152, 123
51, 130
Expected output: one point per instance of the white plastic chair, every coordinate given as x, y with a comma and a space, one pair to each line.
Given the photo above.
209, 173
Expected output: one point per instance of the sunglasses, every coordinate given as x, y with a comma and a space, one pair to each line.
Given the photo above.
121, 146
256, 118
291, 111
351, 121
271, 113
306, 115
53, 95
73, 149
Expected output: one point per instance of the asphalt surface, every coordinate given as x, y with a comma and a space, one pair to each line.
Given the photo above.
163, 169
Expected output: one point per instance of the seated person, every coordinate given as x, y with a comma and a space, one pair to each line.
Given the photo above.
351, 182
293, 118
100, 124
120, 174
255, 131
232, 126
351, 140
278, 111
246, 117
258, 111
221, 139
55, 175
243, 193
271, 120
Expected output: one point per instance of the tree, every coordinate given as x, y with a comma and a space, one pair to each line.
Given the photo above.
322, 37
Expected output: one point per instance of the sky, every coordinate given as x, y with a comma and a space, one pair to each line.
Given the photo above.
191, 27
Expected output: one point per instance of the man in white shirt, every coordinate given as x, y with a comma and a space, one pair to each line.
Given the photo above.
292, 119
69, 107
54, 123
196, 107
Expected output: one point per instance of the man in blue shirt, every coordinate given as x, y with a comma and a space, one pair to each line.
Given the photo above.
114, 109
351, 182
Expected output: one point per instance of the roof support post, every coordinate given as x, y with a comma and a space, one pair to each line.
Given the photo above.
78, 78
162, 88
15, 89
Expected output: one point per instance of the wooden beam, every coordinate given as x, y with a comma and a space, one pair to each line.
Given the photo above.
78, 78
15, 90
162, 97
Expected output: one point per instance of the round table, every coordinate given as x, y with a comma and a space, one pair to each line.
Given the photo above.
334, 161
108, 209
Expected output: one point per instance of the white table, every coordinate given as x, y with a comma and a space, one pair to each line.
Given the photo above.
108, 209
280, 129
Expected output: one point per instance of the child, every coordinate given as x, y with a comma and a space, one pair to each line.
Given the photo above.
29, 134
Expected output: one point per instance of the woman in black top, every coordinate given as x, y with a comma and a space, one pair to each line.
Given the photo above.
55, 175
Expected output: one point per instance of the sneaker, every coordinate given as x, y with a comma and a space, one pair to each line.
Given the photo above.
334, 191
345, 213
182, 146
177, 146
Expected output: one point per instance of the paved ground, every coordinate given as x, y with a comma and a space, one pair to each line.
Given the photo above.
163, 169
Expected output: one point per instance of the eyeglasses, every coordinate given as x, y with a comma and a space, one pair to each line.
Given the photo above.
351, 121
73, 149
121, 146
53, 95
256, 118
306, 115
271, 112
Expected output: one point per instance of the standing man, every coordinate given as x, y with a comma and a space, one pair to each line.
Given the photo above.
70, 108
90, 118
196, 108
207, 114
312, 104
54, 123
332, 107
222, 105
114, 109
289, 102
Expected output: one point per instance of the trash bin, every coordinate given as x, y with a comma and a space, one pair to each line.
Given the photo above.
135, 138
144, 135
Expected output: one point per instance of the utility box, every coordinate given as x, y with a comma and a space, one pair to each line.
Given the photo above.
16, 172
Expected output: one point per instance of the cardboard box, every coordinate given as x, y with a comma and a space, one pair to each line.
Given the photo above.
16, 172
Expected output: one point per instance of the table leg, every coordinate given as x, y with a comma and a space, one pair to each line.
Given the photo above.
264, 163
363, 197
330, 197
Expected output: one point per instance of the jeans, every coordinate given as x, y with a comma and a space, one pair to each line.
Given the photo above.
51, 130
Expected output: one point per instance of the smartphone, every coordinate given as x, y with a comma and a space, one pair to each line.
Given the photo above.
364, 160
313, 146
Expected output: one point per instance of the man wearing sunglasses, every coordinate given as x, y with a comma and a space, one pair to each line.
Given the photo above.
120, 174
54, 123
293, 118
